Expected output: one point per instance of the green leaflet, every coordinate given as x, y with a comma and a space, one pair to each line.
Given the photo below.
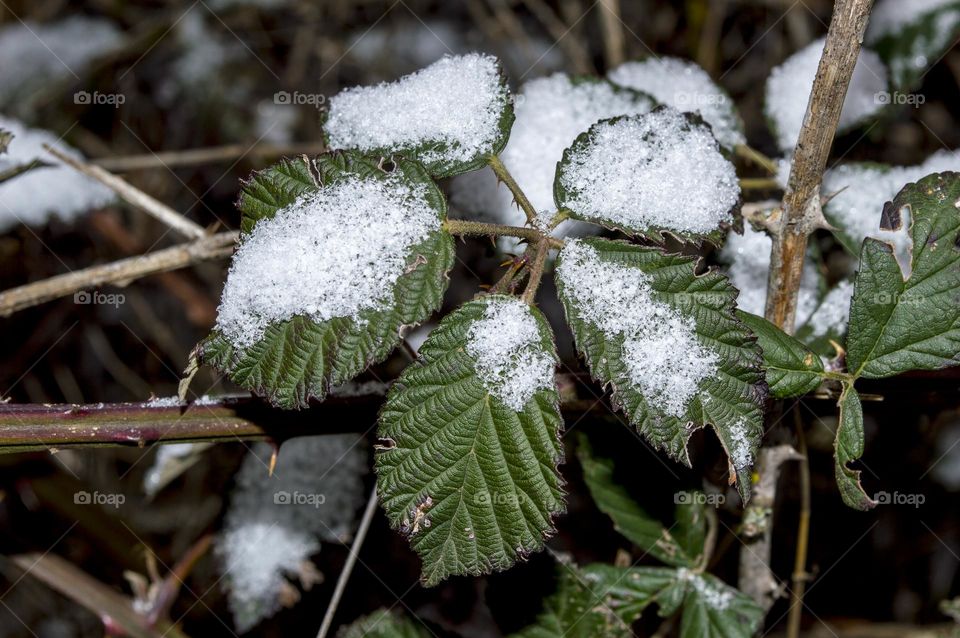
384, 624
792, 369
913, 48
848, 447
730, 400
471, 482
644, 531
566, 198
603, 600
427, 151
299, 359
898, 325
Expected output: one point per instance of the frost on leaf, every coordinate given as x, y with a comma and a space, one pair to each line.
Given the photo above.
687, 87
551, 112
649, 174
911, 36
789, 86
903, 320
40, 194
858, 192
669, 345
275, 523
452, 115
471, 473
328, 276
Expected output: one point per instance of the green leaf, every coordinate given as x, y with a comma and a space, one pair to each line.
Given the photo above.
567, 189
384, 624
899, 324
792, 369
641, 529
730, 400
472, 482
300, 358
435, 153
714, 609
912, 48
271, 189
848, 447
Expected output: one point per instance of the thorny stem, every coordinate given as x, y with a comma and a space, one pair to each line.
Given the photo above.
468, 228
536, 270
504, 176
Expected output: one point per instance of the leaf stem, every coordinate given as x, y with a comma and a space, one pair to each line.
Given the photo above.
536, 270
467, 228
504, 176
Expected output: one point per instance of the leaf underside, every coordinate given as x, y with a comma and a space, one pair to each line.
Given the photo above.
473, 484
735, 395
299, 359
898, 325
792, 369
848, 447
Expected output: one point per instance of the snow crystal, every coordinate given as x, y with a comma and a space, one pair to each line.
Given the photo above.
55, 191
749, 258
789, 86
40, 54
861, 191
551, 112
163, 402
740, 454
505, 345
663, 356
711, 595
687, 87
273, 523
831, 316
456, 101
892, 16
653, 170
333, 253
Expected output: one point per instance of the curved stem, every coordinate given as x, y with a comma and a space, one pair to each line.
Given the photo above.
504, 176
536, 270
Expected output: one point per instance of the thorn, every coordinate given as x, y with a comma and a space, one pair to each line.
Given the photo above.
273, 459
838, 348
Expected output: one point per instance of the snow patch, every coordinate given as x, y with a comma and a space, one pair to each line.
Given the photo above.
685, 86
789, 86
652, 171
712, 596
832, 315
741, 455
456, 102
662, 353
890, 17
332, 253
34, 197
509, 358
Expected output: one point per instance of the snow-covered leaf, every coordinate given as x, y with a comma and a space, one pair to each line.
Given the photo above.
792, 369
661, 172
384, 623
325, 281
907, 322
913, 35
669, 344
551, 113
790, 84
714, 609
452, 116
275, 523
276, 187
828, 323
641, 529
687, 87
468, 466
848, 447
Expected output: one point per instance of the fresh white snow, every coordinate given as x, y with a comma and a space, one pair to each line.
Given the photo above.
740, 454
55, 191
274, 524
509, 359
832, 314
663, 356
652, 171
456, 101
551, 112
685, 86
333, 253
748, 256
891, 16
712, 596
38, 54
862, 190
789, 85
